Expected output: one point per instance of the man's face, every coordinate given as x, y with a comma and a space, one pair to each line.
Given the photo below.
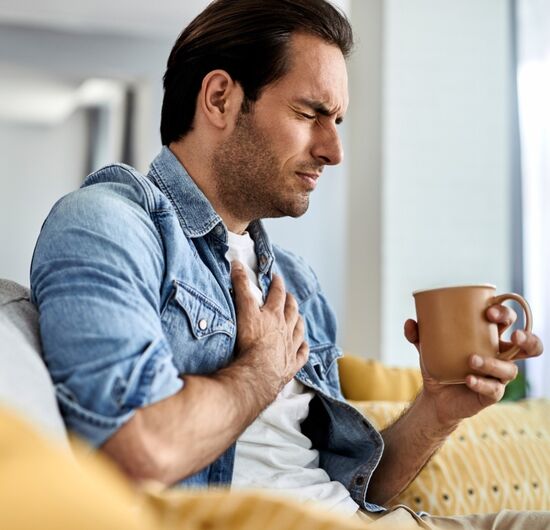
276, 153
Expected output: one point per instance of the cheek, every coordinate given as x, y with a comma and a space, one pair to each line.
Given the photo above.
291, 143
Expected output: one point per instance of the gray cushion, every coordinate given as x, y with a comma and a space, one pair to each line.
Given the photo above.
25, 384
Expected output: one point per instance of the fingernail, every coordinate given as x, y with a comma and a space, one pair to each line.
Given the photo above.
236, 265
520, 336
477, 361
494, 312
473, 381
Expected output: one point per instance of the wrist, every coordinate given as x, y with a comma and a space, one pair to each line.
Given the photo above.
251, 392
438, 424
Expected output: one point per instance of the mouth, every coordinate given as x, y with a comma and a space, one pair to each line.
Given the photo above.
309, 179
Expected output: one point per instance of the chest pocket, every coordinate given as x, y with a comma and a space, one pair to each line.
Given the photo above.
321, 369
200, 332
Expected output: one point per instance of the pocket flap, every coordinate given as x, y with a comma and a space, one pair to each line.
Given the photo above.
321, 366
322, 357
205, 316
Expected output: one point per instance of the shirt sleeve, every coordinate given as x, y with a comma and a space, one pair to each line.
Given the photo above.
95, 277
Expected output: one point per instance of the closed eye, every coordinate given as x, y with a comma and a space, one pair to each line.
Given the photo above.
308, 116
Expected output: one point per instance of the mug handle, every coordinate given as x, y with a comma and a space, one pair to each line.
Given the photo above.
514, 350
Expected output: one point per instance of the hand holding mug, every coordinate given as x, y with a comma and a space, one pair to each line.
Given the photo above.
453, 325
484, 371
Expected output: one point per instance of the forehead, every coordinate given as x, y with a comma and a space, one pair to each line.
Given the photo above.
317, 72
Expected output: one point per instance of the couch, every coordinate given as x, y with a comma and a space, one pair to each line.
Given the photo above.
500, 459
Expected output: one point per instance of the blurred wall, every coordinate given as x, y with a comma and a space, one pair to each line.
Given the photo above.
41, 164
440, 185
75, 56
423, 195
43, 161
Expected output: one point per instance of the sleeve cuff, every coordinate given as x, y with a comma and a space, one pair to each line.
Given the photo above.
152, 378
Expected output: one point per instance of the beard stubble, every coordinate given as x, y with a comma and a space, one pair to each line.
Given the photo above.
249, 178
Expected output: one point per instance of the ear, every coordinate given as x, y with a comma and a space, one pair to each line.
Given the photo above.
220, 99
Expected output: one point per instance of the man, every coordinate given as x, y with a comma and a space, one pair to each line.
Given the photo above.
181, 342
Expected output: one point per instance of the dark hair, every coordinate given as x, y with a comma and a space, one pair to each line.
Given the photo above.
248, 39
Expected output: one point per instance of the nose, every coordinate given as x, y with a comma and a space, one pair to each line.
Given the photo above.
328, 147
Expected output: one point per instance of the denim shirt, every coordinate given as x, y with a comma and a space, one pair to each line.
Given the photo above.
133, 288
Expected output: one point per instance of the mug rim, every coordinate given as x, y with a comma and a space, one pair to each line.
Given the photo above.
471, 285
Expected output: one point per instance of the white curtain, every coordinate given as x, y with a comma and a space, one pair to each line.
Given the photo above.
533, 76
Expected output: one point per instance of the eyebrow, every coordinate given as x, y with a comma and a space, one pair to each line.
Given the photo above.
319, 107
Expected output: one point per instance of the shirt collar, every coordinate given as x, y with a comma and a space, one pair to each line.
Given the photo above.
194, 211
264, 250
196, 215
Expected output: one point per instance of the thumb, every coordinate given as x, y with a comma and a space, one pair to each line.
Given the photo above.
411, 332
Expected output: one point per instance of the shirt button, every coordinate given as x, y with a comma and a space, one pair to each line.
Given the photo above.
218, 230
263, 260
203, 324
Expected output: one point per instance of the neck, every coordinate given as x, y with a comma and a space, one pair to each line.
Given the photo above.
191, 154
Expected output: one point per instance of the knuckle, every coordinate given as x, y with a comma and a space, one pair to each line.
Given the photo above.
503, 315
239, 274
493, 390
490, 363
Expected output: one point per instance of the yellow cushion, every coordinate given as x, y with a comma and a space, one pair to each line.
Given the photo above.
243, 510
495, 460
369, 380
43, 486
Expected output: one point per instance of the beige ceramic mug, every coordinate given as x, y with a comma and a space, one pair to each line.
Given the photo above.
452, 326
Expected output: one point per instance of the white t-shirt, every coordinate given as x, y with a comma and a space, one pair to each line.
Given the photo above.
272, 452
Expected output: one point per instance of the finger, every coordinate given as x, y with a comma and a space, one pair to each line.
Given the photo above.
489, 390
531, 345
298, 331
302, 354
291, 310
411, 331
501, 315
276, 296
243, 296
504, 371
